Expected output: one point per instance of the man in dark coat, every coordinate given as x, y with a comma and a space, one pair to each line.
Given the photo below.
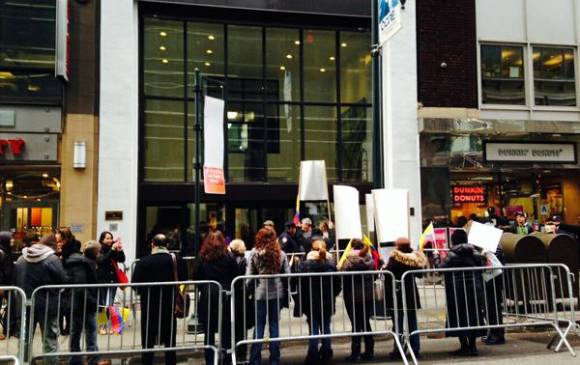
288, 239
6, 269
158, 322
403, 259
464, 292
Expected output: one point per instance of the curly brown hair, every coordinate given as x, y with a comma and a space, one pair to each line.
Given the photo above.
269, 251
214, 246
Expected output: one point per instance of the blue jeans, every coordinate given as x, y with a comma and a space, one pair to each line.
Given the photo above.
412, 322
318, 328
89, 324
269, 309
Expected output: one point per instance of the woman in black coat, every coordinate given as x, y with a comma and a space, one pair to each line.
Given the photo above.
111, 254
401, 260
215, 264
317, 300
244, 314
464, 293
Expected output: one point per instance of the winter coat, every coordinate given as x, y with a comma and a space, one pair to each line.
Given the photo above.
39, 266
223, 270
6, 264
244, 314
288, 243
82, 270
267, 289
464, 290
106, 272
318, 293
528, 227
399, 263
358, 287
157, 302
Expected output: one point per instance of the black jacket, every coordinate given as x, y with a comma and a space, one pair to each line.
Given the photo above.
82, 270
106, 272
399, 263
6, 267
317, 293
288, 243
358, 288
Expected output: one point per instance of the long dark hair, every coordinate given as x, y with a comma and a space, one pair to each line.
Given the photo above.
268, 250
102, 237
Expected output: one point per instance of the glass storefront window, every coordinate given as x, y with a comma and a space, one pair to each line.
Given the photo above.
282, 64
164, 140
244, 62
205, 52
355, 67
321, 137
502, 75
319, 65
357, 143
283, 142
554, 82
163, 71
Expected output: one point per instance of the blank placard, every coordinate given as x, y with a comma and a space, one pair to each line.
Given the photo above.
391, 208
347, 212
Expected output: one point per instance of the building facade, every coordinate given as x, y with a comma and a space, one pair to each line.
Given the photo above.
48, 88
499, 112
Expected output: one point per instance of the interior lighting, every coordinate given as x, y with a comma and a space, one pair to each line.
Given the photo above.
282, 68
162, 48
165, 60
323, 70
343, 45
331, 58
209, 51
210, 37
232, 115
289, 56
297, 42
45, 175
207, 64
163, 34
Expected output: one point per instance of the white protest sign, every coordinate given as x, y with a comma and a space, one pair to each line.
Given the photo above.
347, 212
370, 206
213, 134
484, 236
391, 208
313, 183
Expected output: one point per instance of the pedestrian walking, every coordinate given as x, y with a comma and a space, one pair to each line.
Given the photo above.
158, 321
82, 269
244, 315
215, 264
39, 266
108, 272
464, 293
6, 269
269, 294
317, 301
401, 260
358, 296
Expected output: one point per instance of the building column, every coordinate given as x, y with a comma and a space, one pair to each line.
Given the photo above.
400, 124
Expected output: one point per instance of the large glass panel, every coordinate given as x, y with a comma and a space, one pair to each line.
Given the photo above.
283, 142
282, 64
246, 142
205, 51
320, 137
163, 71
355, 67
319, 65
502, 75
244, 62
27, 34
554, 82
164, 140
357, 144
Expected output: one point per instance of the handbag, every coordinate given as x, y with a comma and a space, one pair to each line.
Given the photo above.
379, 287
182, 300
121, 276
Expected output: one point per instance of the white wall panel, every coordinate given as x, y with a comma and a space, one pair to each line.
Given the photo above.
551, 22
501, 20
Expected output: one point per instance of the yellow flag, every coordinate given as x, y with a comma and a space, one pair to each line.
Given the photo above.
428, 234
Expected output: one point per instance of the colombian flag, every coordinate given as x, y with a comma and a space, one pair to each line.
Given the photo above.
297, 214
428, 235
348, 249
117, 322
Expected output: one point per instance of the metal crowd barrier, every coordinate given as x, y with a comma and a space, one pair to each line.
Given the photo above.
12, 308
9, 359
152, 326
304, 290
475, 299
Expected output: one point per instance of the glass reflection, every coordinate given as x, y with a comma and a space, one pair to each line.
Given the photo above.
554, 82
502, 73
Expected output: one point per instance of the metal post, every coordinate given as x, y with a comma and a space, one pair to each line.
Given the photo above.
197, 164
378, 176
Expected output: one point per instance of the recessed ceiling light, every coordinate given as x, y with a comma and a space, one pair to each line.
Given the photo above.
343, 45
163, 34
207, 64
165, 60
297, 42
210, 37
331, 58
162, 48
289, 56
323, 70
282, 68
45, 175
208, 51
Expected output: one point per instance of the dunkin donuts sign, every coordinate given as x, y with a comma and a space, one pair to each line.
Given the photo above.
469, 194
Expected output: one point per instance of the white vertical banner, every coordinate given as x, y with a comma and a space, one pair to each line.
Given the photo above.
347, 212
370, 207
313, 184
389, 19
391, 207
213, 147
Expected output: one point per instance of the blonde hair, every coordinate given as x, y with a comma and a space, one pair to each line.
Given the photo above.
320, 246
238, 247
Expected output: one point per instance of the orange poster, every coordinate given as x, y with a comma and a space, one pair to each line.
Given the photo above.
213, 180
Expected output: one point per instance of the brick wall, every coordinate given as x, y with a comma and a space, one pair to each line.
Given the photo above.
446, 32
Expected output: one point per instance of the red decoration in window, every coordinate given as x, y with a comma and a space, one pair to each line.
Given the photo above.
16, 146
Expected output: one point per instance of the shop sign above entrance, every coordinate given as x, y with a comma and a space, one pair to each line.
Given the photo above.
469, 194
530, 152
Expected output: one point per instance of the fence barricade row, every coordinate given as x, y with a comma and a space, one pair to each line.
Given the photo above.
12, 308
